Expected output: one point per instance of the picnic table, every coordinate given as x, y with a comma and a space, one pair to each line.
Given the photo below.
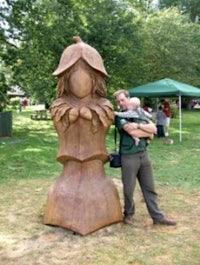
41, 114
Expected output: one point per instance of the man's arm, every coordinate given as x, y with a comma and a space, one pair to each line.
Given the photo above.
140, 130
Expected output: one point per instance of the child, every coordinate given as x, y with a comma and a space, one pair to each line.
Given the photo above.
160, 122
137, 113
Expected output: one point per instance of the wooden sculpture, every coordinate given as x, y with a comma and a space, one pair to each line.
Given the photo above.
83, 199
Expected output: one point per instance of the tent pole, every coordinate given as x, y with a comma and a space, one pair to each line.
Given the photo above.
180, 119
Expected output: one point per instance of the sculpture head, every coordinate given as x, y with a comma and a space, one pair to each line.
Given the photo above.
81, 71
80, 50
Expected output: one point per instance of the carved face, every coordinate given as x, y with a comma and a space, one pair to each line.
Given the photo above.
80, 81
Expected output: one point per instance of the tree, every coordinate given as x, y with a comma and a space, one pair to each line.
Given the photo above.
46, 27
3, 90
171, 48
137, 43
191, 7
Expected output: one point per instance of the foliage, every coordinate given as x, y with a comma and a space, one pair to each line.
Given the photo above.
174, 110
138, 44
164, 52
15, 102
3, 90
191, 7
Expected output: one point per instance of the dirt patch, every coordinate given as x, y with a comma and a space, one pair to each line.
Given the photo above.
25, 240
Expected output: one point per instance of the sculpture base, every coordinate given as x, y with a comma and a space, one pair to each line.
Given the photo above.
83, 199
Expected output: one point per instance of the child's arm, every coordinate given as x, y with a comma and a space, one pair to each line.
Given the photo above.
147, 114
126, 114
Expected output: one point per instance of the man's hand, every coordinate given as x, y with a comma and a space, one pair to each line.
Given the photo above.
150, 127
140, 130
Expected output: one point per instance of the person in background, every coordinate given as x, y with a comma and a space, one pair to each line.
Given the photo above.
46, 105
160, 122
136, 164
192, 104
24, 102
167, 111
147, 108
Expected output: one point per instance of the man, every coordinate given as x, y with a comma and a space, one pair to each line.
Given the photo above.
136, 164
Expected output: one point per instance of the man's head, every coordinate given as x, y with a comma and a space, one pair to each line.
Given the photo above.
122, 99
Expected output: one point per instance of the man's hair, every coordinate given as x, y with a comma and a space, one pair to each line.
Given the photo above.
121, 91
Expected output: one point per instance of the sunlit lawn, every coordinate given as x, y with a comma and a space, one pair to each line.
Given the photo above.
31, 152
28, 167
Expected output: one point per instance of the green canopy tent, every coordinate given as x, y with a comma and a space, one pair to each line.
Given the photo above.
165, 88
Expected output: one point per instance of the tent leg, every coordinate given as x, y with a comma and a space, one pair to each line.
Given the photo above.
180, 119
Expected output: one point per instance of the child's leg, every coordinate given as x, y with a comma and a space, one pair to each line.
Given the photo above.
137, 140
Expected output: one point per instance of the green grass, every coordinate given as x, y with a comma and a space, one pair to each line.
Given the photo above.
31, 152
28, 167
178, 164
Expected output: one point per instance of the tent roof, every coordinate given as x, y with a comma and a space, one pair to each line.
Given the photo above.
164, 87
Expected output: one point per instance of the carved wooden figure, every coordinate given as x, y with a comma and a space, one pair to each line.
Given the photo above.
83, 199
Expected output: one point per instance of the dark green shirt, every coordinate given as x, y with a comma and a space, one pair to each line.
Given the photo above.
127, 143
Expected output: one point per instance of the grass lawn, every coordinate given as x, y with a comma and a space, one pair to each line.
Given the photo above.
28, 167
